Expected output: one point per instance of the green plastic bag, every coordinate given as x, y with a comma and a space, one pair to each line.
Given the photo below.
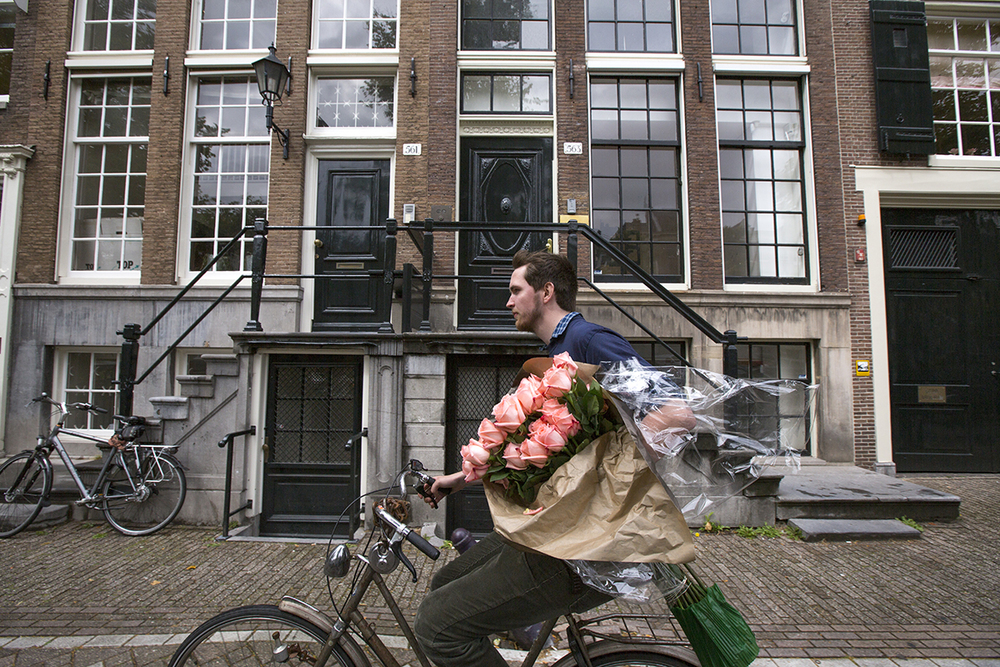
718, 632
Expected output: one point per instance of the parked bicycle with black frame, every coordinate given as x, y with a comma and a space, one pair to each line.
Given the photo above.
140, 488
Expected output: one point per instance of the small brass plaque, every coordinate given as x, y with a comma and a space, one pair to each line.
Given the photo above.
501, 270
354, 266
932, 394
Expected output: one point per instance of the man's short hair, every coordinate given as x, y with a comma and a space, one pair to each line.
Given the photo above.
546, 267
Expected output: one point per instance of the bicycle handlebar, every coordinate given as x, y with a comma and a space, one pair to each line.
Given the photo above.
89, 407
413, 538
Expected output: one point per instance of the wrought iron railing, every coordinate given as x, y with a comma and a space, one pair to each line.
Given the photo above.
416, 287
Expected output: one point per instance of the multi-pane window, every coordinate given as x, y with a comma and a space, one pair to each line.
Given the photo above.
88, 377
506, 93
754, 27
630, 25
356, 24
506, 24
761, 149
119, 25
783, 414
237, 24
111, 137
355, 103
965, 84
635, 174
231, 149
6, 46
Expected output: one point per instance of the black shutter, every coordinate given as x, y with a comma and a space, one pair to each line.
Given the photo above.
902, 77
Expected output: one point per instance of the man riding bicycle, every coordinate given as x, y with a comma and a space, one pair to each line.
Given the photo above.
496, 585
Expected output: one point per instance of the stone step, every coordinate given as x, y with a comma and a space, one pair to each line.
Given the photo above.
858, 494
849, 530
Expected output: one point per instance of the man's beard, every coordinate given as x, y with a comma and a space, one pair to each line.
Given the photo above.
527, 321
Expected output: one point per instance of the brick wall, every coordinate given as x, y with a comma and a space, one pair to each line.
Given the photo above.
442, 94
36, 256
701, 146
856, 114
166, 145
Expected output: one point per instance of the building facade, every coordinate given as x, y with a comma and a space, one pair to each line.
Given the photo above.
737, 150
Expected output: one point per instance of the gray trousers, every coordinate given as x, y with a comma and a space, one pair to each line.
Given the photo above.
491, 588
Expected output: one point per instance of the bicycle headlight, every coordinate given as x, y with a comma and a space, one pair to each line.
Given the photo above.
338, 562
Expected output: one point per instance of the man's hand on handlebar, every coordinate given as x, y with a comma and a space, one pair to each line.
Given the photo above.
442, 486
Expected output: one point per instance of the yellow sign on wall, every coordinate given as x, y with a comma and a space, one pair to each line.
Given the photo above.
863, 368
582, 219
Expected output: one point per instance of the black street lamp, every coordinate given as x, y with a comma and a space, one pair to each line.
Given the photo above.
272, 76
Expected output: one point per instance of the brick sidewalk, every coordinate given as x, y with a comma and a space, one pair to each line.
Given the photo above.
936, 597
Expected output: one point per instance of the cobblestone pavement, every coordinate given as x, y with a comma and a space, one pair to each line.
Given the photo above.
81, 594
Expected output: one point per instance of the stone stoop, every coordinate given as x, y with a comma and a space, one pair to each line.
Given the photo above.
840, 503
195, 421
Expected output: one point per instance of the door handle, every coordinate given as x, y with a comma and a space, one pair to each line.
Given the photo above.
318, 243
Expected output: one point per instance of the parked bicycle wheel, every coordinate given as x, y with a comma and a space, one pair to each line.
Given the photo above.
629, 657
140, 501
255, 635
25, 482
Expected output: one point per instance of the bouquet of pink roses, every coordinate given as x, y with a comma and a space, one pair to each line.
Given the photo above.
537, 428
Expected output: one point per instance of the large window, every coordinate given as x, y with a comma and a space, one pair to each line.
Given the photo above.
231, 150
237, 24
119, 25
754, 27
965, 83
635, 172
6, 47
761, 149
356, 24
355, 103
512, 93
110, 134
506, 24
87, 377
630, 25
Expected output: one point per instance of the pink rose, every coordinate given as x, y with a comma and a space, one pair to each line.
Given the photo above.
530, 394
489, 435
512, 454
547, 434
558, 415
534, 452
563, 360
557, 381
472, 473
509, 414
476, 454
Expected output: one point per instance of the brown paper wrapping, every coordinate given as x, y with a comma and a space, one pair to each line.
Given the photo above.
603, 504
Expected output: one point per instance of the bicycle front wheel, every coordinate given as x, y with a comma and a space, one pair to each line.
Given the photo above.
140, 501
256, 635
25, 482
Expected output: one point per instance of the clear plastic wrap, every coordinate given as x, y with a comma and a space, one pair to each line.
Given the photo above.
740, 428
634, 582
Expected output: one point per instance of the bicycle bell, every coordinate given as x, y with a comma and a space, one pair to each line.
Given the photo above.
338, 562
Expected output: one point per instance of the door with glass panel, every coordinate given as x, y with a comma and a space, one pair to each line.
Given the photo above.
312, 469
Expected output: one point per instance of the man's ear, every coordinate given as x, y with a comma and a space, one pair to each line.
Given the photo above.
548, 292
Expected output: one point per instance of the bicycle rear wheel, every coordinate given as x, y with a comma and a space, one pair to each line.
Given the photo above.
255, 635
144, 500
25, 482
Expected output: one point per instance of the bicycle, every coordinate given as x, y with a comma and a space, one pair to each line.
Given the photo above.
140, 488
294, 630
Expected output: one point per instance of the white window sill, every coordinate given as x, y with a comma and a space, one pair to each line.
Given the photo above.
963, 162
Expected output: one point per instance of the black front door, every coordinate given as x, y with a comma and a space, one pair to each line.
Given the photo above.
352, 195
504, 182
942, 284
311, 475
